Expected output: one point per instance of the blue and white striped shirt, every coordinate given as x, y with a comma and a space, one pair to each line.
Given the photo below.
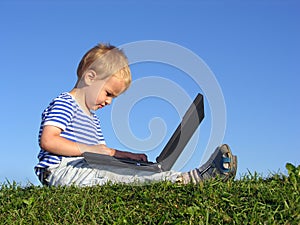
64, 112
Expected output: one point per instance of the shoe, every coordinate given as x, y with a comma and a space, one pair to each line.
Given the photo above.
222, 163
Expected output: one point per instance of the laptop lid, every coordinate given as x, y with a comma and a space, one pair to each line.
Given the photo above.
185, 130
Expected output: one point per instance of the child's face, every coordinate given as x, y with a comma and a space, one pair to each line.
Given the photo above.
102, 92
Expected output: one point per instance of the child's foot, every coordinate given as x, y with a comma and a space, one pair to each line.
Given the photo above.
221, 163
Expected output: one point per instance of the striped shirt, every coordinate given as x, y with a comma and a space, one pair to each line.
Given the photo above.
64, 112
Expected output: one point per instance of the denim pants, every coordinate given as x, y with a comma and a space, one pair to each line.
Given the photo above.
76, 171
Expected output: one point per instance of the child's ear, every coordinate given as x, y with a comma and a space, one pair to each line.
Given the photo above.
90, 77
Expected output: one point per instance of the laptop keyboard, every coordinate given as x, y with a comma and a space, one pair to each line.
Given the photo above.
135, 162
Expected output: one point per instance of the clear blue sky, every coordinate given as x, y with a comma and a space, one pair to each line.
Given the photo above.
251, 47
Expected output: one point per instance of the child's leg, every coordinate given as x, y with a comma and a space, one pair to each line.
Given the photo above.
76, 171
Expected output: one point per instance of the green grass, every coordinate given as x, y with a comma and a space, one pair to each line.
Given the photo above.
249, 200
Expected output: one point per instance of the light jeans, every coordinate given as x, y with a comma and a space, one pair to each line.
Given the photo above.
76, 171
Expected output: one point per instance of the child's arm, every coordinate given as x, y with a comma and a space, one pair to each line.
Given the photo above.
51, 141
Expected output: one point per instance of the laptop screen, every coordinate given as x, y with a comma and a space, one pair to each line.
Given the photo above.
185, 130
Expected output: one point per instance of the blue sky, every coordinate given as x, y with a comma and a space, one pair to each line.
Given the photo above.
251, 47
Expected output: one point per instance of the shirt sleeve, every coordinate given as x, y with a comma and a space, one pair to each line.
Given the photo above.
59, 113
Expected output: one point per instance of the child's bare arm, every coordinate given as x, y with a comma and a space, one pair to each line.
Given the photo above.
51, 141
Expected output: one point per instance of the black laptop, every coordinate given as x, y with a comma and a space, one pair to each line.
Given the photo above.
167, 158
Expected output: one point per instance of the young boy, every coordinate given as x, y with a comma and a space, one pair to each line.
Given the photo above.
69, 128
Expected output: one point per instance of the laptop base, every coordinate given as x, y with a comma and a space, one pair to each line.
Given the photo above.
99, 159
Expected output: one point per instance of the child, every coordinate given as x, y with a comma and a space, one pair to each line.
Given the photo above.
69, 127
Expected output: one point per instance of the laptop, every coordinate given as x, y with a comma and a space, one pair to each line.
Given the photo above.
170, 153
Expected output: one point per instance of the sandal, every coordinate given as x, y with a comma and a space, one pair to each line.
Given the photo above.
229, 161
222, 161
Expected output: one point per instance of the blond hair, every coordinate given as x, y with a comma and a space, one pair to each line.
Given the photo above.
106, 60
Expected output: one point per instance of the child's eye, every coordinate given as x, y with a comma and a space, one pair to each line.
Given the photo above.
108, 94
